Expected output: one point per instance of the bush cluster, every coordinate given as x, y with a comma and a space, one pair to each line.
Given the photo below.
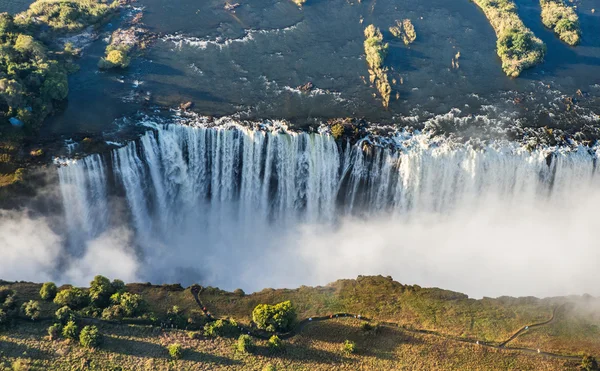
244, 344
221, 328
90, 337
8, 309
32, 79
48, 291
116, 57
278, 317
404, 30
67, 15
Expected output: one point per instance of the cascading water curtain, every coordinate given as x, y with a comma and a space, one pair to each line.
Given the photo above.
176, 174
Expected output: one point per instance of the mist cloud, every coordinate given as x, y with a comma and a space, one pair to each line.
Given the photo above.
495, 247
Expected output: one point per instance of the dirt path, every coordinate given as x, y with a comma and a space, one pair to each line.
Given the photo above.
526, 328
196, 290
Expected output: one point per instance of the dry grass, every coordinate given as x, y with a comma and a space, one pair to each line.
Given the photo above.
576, 330
316, 348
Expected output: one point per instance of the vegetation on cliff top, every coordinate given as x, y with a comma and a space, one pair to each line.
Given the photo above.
66, 15
376, 52
34, 69
319, 346
517, 46
404, 30
558, 16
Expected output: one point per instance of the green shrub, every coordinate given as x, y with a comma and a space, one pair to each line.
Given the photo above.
31, 309
54, 331
70, 330
275, 344
5, 293
90, 337
221, 328
269, 367
175, 351
48, 291
116, 58
118, 285
131, 304
589, 363
3, 318
91, 311
114, 312
244, 344
349, 347
6, 23
101, 290
74, 298
64, 314
278, 317
239, 292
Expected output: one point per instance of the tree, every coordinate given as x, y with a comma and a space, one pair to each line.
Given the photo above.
74, 298
118, 285
27, 46
56, 86
100, 291
65, 314
3, 318
31, 309
244, 344
278, 317
90, 337
175, 351
131, 304
54, 331
48, 291
6, 23
70, 330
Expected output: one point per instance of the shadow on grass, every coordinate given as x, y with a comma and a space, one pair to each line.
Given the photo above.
15, 350
380, 343
303, 353
144, 349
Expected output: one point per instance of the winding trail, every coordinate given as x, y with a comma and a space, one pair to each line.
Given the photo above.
526, 328
264, 335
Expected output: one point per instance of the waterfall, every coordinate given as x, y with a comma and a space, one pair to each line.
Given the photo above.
179, 176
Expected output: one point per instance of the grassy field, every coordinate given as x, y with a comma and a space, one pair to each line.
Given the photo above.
452, 316
318, 347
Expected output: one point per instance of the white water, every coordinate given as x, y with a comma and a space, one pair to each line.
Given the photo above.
226, 204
